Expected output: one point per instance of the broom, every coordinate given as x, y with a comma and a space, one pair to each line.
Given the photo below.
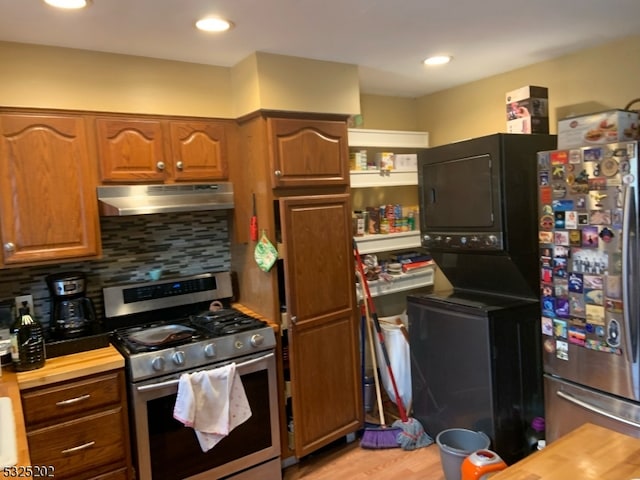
381, 436
412, 435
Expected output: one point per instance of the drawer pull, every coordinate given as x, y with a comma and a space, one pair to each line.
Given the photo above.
71, 401
79, 447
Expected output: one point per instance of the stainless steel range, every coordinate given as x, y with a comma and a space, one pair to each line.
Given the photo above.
170, 327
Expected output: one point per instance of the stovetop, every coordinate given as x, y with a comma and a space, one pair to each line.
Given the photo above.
170, 326
149, 337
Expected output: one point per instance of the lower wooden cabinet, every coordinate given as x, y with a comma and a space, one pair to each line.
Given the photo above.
80, 427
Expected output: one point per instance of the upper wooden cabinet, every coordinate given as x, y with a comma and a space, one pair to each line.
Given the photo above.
144, 150
48, 205
130, 150
308, 152
199, 149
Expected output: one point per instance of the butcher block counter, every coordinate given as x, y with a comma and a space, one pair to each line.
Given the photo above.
589, 452
72, 366
55, 370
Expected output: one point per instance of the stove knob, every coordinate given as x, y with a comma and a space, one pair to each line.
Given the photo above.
210, 350
178, 357
157, 364
492, 241
257, 340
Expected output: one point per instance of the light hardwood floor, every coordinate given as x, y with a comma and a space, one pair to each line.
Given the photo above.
350, 462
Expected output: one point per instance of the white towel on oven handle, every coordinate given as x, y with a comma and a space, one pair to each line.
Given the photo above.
212, 402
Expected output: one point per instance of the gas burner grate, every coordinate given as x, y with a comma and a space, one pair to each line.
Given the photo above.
226, 322
141, 338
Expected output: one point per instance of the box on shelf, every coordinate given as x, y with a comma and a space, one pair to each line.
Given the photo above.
528, 110
374, 220
358, 160
385, 160
405, 161
597, 128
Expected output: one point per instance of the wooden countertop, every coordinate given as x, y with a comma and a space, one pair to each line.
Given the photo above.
589, 452
67, 367
55, 370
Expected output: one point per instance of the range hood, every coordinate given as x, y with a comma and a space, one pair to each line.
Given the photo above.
119, 200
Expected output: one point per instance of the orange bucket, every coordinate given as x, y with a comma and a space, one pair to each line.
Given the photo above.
480, 463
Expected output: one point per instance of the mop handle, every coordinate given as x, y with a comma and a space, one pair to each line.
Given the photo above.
376, 323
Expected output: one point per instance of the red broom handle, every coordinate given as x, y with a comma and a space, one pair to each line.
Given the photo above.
376, 323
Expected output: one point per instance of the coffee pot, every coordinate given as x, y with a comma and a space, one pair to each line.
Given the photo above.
72, 313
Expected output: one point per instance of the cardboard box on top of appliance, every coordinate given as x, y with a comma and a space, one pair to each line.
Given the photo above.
528, 110
597, 128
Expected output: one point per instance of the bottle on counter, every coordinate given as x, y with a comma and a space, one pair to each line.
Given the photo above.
27, 341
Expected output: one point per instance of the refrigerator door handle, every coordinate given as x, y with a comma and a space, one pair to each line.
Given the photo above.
595, 409
628, 274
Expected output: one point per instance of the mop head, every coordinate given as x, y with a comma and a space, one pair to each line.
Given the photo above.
412, 434
380, 437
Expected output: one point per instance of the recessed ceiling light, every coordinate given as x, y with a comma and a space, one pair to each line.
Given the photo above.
68, 4
437, 60
213, 24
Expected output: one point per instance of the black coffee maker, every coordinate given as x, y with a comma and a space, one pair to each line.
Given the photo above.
72, 313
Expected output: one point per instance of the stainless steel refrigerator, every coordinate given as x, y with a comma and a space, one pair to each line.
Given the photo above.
589, 291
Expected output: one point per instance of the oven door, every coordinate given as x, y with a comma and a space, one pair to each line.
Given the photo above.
166, 449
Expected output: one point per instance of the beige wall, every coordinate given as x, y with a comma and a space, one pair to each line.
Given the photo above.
388, 113
50, 77
592, 80
303, 85
245, 85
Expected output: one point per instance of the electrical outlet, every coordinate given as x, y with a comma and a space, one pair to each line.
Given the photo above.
24, 298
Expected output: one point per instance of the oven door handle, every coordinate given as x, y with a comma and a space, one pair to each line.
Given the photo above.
170, 383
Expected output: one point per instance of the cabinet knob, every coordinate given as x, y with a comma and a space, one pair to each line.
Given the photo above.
278, 173
9, 247
160, 165
294, 319
179, 165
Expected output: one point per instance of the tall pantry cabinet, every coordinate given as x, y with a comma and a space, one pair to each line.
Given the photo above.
294, 169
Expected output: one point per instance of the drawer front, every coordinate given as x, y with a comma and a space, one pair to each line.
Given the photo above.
82, 445
64, 401
120, 474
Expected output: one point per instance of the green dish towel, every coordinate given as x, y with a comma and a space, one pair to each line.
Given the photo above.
265, 253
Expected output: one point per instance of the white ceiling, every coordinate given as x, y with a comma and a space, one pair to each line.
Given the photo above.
387, 39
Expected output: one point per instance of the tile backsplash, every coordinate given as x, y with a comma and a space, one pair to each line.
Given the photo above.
179, 243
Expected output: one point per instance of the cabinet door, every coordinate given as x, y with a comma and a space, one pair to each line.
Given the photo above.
199, 150
130, 150
323, 339
47, 189
308, 152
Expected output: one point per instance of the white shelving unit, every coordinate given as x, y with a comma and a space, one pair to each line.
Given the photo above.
379, 243
401, 283
362, 137
388, 242
383, 178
